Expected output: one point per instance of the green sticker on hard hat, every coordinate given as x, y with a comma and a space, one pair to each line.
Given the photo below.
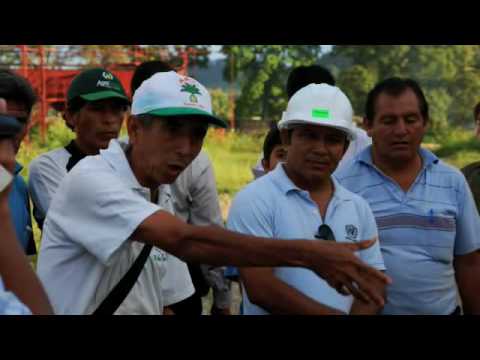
321, 113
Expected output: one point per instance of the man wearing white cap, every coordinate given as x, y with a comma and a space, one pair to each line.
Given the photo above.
107, 219
301, 200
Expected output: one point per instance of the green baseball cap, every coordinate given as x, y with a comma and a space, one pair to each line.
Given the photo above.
96, 84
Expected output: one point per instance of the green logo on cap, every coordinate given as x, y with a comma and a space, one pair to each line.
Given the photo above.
107, 75
193, 90
321, 114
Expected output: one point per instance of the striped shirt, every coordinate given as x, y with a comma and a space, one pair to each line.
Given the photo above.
421, 230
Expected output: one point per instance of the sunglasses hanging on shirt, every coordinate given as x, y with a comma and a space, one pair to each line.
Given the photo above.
325, 233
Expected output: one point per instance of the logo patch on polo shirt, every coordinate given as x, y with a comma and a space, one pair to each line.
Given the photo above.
351, 231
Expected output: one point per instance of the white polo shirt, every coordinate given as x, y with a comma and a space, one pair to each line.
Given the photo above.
86, 244
45, 174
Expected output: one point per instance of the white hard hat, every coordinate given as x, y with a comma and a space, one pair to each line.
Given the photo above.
320, 104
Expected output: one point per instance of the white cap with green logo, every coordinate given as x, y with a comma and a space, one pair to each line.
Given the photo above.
171, 94
319, 104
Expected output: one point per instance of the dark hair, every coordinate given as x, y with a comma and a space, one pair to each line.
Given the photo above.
302, 76
15, 87
145, 70
76, 104
271, 140
394, 87
146, 120
476, 111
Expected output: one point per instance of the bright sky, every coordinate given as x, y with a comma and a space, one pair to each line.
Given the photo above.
215, 55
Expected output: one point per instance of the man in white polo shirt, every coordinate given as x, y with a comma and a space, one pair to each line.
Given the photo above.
106, 215
195, 200
96, 108
301, 200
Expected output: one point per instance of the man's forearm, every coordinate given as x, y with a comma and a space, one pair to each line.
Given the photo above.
16, 271
471, 299
334, 261
216, 246
278, 297
362, 308
467, 270
208, 244
469, 288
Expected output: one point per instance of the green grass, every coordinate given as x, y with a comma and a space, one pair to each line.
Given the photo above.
233, 156
458, 147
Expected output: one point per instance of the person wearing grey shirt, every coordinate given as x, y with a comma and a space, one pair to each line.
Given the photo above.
195, 200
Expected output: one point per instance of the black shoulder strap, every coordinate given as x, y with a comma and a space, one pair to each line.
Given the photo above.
113, 300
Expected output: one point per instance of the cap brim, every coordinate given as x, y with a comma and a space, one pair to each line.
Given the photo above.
104, 95
189, 111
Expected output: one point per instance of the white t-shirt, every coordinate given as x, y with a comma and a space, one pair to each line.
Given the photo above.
45, 174
87, 247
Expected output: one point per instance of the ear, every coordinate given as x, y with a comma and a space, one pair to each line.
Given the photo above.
133, 127
345, 147
284, 137
368, 126
70, 119
266, 165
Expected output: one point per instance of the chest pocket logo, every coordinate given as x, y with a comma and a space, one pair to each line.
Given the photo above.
351, 231
160, 256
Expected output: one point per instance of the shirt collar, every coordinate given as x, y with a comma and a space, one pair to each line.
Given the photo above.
281, 179
116, 157
428, 158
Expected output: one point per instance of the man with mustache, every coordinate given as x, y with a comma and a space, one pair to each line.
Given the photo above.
96, 107
299, 199
108, 215
428, 224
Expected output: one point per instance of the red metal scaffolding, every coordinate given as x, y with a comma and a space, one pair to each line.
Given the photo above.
51, 83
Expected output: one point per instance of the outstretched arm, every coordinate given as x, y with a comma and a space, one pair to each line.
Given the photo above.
334, 262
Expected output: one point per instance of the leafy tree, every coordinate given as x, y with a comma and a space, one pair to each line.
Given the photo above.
262, 71
449, 75
220, 103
